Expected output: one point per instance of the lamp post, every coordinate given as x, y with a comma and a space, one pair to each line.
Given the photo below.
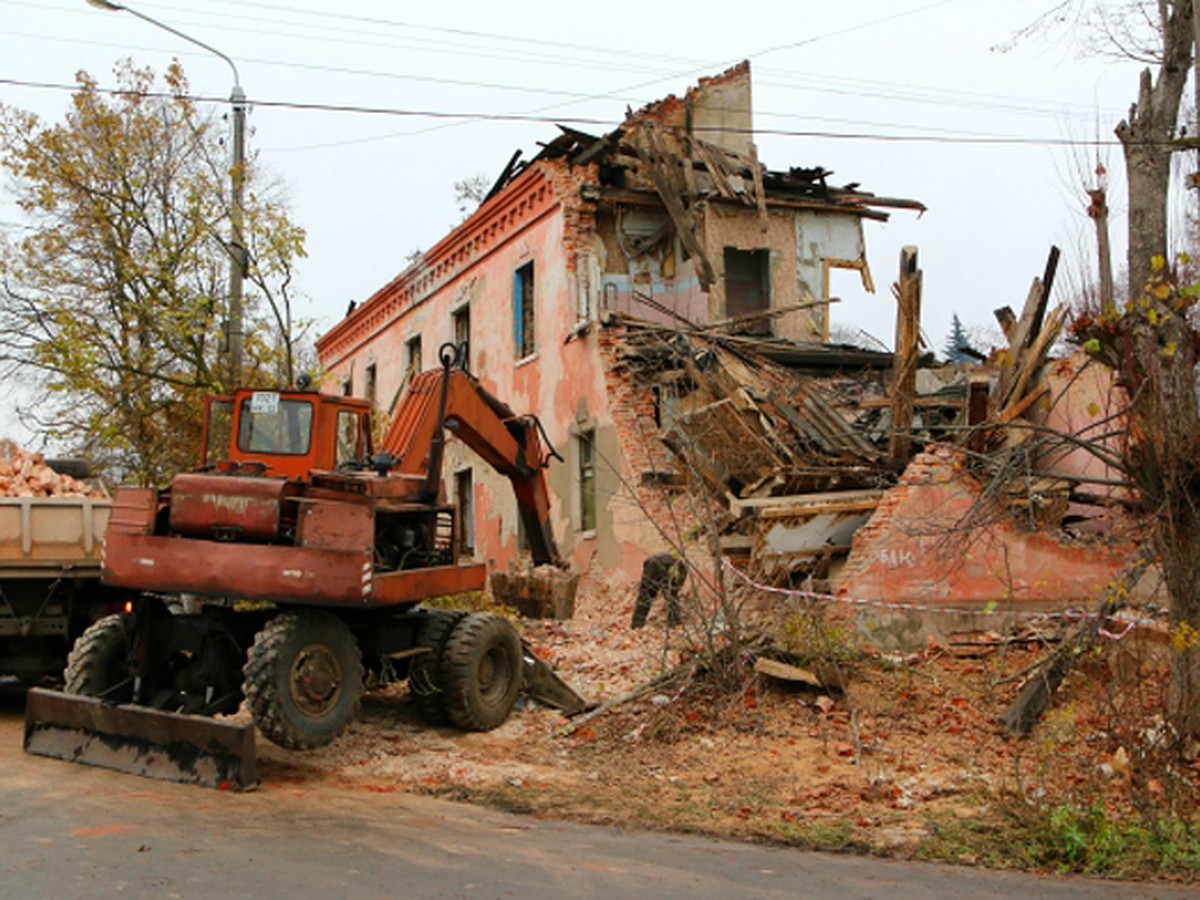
235, 337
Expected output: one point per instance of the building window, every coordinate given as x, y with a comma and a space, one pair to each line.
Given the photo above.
462, 334
348, 386
587, 480
748, 288
412, 357
370, 387
464, 494
523, 311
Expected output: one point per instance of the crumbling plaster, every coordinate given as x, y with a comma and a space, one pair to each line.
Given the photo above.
932, 541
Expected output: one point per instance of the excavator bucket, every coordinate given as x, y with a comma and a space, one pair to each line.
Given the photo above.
139, 740
544, 686
544, 592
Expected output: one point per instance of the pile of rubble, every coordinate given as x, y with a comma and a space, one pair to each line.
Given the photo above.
801, 445
27, 474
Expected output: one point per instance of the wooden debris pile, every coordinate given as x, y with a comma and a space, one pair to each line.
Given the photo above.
27, 474
767, 442
1029, 341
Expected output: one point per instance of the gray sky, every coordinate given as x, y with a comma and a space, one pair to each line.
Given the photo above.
906, 97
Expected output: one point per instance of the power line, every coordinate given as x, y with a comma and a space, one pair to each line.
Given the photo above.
807, 81
397, 112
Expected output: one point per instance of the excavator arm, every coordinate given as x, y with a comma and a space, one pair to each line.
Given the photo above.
452, 399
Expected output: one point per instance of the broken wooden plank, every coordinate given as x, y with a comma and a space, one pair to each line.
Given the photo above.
1033, 358
1033, 700
760, 195
1011, 412
716, 169
908, 336
651, 152
812, 503
1008, 322
781, 671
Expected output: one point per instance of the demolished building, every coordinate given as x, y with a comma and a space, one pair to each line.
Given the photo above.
669, 220
659, 299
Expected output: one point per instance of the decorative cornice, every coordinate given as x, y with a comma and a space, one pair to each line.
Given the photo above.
522, 202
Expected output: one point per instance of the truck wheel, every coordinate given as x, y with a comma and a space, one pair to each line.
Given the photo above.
303, 679
425, 682
98, 662
481, 671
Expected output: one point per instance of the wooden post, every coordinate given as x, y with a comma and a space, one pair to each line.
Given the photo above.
907, 352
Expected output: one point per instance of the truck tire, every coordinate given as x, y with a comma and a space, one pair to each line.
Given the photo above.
481, 671
425, 682
99, 661
303, 679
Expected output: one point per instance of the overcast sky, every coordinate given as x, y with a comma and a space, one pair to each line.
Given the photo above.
909, 98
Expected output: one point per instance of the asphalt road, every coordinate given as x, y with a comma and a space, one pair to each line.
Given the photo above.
69, 831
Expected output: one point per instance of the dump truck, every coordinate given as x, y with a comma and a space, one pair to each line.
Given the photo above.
50, 588
288, 568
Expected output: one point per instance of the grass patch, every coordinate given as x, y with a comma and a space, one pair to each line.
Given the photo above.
1070, 838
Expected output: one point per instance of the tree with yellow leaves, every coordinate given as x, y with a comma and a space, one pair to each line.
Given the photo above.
112, 303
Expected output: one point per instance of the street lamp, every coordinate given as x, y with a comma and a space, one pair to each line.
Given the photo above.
235, 336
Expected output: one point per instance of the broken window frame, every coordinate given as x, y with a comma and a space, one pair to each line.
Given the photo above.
524, 312
461, 326
830, 263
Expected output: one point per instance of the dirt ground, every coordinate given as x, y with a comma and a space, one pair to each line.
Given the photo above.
907, 754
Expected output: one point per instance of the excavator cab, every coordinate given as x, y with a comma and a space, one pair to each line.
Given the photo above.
284, 433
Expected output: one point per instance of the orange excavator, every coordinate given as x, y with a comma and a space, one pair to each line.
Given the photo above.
289, 567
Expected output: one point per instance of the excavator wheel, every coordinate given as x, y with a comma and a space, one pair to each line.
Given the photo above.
97, 665
481, 671
303, 679
425, 682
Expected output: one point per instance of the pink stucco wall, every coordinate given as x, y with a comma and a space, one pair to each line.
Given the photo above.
932, 541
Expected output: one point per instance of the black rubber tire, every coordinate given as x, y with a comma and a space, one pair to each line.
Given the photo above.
481, 671
425, 681
99, 660
303, 679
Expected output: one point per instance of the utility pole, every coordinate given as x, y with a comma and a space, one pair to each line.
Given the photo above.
234, 328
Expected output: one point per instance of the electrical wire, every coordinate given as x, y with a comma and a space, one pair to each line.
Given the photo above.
397, 112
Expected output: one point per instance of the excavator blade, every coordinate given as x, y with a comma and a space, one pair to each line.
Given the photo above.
140, 740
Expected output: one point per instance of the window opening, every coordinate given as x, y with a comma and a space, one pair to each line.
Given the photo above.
587, 480
524, 321
462, 333
748, 287
464, 499
371, 385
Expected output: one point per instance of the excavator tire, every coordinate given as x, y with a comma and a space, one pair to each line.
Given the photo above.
425, 682
481, 671
98, 661
303, 679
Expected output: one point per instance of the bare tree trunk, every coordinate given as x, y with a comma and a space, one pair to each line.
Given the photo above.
1098, 211
1146, 138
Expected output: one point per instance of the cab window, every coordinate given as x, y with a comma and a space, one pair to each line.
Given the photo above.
268, 423
349, 448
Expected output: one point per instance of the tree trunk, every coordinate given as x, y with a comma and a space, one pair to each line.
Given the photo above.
1146, 138
1166, 465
